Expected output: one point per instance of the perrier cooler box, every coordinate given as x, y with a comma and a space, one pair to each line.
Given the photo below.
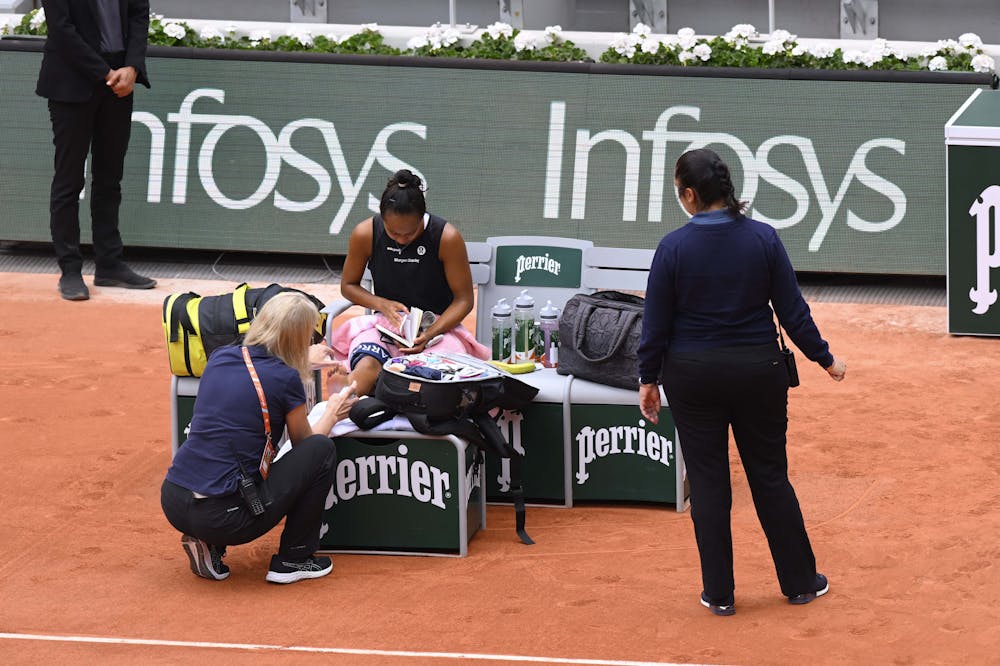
404, 493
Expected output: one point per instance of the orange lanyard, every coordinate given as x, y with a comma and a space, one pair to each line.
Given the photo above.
268, 456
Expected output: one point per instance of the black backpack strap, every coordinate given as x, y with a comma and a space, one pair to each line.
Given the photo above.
179, 315
463, 428
489, 428
483, 432
242, 311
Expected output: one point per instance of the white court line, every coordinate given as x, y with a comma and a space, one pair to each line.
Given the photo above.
329, 650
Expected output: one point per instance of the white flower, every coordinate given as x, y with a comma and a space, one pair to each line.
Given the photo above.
938, 64
258, 36
649, 45
971, 41
498, 30
553, 33
882, 49
524, 42
642, 30
174, 30
686, 43
798, 50
773, 47
155, 17
703, 52
869, 58
37, 19
436, 37
684, 56
686, 39
852, 56
210, 32
983, 63
304, 38
929, 51
373, 27
821, 50
740, 34
781, 36
622, 44
948, 44
451, 36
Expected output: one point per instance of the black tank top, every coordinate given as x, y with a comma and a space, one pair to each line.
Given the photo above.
412, 274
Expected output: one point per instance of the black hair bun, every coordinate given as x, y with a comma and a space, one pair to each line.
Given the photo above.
405, 178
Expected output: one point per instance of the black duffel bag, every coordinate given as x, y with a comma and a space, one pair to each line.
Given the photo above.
599, 338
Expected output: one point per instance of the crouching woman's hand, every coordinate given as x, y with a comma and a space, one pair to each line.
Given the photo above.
337, 408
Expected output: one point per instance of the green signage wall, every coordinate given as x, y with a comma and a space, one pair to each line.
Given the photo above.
289, 156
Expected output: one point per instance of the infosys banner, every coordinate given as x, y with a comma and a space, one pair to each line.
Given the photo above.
289, 156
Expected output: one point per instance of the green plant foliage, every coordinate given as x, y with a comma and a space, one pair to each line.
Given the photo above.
782, 50
740, 47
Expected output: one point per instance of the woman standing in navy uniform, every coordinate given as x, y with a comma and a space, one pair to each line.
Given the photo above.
709, 333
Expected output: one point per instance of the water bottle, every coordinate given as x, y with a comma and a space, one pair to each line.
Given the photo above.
502, 327
524, 327
549, 323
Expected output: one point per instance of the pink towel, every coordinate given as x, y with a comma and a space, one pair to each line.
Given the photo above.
362, 329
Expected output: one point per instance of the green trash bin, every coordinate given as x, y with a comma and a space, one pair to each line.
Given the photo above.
972, 144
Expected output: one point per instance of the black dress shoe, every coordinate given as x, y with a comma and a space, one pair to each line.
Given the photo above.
123, 276
72, 288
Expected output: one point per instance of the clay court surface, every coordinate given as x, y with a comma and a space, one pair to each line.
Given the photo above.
896, 469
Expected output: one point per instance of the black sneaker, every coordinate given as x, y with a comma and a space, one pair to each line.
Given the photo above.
72, 288
122, 276
206, 560
289, 570
822, 587
717, 609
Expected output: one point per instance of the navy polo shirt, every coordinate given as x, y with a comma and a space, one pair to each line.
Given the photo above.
712, 284
227, 419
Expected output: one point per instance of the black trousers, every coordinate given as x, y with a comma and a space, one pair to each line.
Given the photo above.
298, 485
746, 388
101, 127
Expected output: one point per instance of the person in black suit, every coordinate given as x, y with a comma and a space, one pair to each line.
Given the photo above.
94, 55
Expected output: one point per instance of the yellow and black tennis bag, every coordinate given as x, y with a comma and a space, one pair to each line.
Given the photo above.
194, 326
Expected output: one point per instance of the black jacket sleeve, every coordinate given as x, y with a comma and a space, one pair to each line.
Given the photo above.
137, 38
65, 39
